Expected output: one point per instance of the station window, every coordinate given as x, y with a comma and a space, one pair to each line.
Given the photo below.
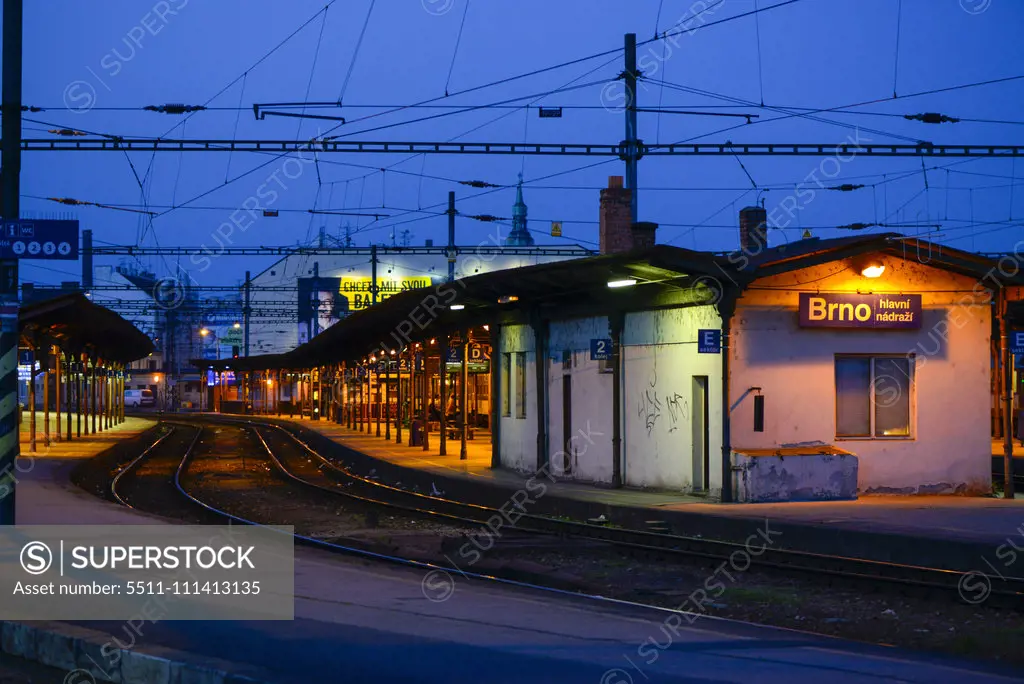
873, 396
520, 384
506, 388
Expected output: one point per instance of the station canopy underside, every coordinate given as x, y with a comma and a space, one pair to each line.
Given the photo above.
77, 325
670, 276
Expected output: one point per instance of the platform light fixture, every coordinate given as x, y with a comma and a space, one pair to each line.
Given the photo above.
624, 282
873, 269
236, 326
204, 331
457, 307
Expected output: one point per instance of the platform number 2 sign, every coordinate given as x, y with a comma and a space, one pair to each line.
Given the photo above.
600, 350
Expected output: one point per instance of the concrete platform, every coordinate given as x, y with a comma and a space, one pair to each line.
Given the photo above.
885, 528
360, 621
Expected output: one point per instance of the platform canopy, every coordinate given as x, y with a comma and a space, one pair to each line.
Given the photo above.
667, 276
498, 296
74, 323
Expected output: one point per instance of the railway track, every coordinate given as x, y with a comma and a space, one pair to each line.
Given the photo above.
301, 464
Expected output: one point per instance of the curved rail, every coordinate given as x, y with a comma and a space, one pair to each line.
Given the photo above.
116, 482
1009, 589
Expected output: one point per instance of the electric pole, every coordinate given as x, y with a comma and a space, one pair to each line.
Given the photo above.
631, 145
247, 310
11, 182
451, 236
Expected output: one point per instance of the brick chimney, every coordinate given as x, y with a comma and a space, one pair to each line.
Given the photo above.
615, 217
618, 233
753, 230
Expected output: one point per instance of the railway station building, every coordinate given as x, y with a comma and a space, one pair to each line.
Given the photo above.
818, 369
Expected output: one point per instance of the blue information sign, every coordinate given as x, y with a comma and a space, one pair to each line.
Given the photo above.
1017, 342
709, 341
600, 350
39, 239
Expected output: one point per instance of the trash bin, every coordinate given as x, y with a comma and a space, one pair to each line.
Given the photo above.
416, 433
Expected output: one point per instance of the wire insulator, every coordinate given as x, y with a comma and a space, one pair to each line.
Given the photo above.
479, 184
174, 108
931, 118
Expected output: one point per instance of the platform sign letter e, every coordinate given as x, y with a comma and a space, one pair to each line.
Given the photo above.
1017, 342
709, 341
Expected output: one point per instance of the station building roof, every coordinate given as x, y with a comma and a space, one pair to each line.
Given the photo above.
77, 325
667, 270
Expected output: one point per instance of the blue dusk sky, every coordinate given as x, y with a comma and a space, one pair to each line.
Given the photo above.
93, 66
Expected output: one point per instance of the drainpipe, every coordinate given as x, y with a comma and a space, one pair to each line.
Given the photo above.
540, 344
1007, 363
616, 321
726, 308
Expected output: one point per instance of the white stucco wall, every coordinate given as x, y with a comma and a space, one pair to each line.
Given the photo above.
591, 395
518, 447
795, 367
660, 360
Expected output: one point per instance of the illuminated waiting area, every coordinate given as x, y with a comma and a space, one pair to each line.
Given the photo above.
821, 369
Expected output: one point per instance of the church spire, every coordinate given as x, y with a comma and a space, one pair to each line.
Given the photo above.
520, 235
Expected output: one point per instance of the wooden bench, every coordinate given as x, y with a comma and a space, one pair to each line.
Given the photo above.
456, 433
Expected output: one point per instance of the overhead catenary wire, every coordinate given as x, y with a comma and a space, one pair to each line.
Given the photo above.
455, 52
355, 54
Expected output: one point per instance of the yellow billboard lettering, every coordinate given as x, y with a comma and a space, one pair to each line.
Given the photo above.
816, 309
862, 312
846, 312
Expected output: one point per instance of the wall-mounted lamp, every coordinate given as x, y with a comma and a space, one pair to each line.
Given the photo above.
625, 282
873, 270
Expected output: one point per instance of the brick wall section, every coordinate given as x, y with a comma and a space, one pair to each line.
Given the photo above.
644, 233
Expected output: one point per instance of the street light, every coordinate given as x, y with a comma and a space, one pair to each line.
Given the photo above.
237, 326
204, 331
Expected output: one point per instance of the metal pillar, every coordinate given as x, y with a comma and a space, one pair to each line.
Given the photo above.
57, 393
92, 395
79, 379
632, 147
46, 401
464, 394
32, 402
377, 398
442, 371
67, 398
425, 404
398, 401
387, 397
11, 193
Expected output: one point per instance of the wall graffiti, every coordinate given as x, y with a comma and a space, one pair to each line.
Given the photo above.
651, 405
